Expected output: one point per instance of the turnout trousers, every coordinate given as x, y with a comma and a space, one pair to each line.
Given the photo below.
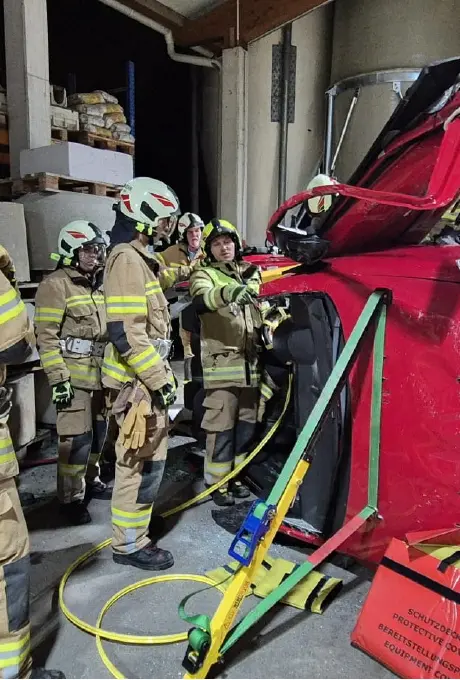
81, 429
138, 475
229, 422
15, 659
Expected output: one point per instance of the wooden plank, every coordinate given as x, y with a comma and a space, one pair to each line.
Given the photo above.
60, 134
48, 182
257, 17
90, 139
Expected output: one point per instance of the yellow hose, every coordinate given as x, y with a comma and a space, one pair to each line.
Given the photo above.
102, 634
157, 639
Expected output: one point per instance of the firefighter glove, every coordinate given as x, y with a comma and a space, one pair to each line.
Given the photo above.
62, 395
134, 428
166, 396
241, 295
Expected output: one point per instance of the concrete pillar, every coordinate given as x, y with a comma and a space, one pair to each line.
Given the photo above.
27, 76
233, 173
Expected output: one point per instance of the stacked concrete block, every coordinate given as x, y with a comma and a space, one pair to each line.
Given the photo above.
46, 214
13, 237
79, 162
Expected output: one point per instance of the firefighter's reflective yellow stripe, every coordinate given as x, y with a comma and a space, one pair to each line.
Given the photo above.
87, 299
13, 655
82, 372
115, 369
213, 298
52, 358
152, 288
266, 392
7, 454
11, 306
130, 520
48, 314
76, 300
210, 289
224, 372
71, 470
126, 304
144, 360
239, 459
219, 467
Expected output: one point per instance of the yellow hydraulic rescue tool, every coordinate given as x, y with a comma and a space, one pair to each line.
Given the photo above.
275, 273
209, 639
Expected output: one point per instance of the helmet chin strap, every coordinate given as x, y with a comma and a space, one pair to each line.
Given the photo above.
145, 229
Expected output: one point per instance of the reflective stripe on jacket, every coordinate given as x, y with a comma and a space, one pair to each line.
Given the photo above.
16, 342
137, 313
230, 334
68, 305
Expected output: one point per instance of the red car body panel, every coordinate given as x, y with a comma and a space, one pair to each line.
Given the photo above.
400, 192
420, 438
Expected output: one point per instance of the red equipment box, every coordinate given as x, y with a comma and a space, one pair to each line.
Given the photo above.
410, 621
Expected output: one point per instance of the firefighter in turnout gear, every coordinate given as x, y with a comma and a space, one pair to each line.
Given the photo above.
136, 368
224, 292
71, 336
16, 343
186, 253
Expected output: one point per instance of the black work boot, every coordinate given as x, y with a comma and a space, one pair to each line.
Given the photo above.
76, 513
239, 490
98, 489
150, 558
45, 673
222, 497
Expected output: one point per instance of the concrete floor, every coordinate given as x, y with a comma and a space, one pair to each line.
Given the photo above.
291, 644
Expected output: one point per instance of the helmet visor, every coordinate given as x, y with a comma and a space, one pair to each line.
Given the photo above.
166, 227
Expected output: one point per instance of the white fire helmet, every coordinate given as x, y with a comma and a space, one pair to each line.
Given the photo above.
320, 204
75, 235
189, 220
150, 203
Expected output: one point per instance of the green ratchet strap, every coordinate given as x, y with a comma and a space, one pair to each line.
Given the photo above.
375, 305
376, 410
339, 373
200, 634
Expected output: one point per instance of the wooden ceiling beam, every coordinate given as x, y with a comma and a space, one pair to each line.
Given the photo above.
257, 17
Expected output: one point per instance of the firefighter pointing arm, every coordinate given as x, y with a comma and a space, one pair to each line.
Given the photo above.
71, 336
224, 291
16, 341
136, 368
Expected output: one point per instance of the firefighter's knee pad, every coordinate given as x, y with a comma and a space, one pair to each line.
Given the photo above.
151, 476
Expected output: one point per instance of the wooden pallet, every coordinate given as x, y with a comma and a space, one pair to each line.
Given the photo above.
59, 134
90, 139
48, 182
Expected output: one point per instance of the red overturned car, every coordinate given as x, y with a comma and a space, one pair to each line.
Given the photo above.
369, 239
